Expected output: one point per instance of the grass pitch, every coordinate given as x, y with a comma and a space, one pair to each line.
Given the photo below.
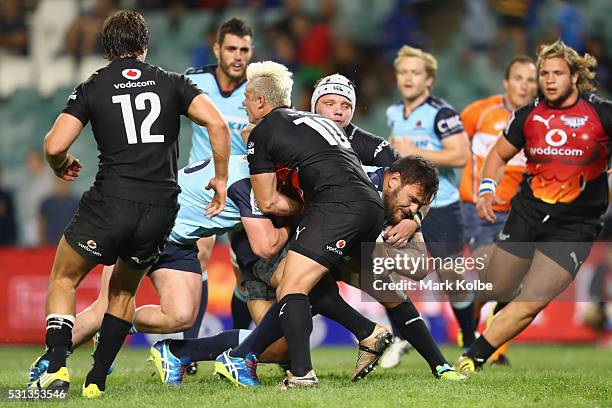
541, 375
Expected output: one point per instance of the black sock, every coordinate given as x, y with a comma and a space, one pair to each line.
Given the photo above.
481, 350
498, 307
205, 348
326, 301
58, 340
411, 326
467, 323
241, 317
268, 331
112, 335
396, 331
296, 321
194, 331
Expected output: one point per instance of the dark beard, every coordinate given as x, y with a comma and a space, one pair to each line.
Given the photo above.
388, 202
560, 100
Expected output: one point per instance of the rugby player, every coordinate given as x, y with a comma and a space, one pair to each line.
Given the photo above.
334, 97
336, 194
240, 367
176, 274
224, 83
484, 121
555, 216
125, 217
425, 125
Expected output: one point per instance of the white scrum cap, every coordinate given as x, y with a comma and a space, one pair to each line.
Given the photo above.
334, 84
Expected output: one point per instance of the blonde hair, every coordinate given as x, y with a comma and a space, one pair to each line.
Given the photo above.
583, 65
431, 64
271, 80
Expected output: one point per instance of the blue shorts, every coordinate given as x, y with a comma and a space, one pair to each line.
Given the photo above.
443, 230
479, 232
178, 257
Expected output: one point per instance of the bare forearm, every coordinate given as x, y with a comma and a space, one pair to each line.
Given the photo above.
55, 155
220, 143
493, 167
279, 239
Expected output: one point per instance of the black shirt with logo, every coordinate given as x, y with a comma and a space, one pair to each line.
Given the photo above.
372, 150
327, 168
134, 109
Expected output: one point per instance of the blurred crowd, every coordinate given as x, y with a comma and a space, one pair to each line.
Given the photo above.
357, 38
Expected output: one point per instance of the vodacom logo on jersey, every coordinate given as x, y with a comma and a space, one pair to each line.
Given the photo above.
131, 73
556, 139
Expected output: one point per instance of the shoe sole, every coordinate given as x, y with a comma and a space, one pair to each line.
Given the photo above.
156, 358
386, 341
284, 387
225, 375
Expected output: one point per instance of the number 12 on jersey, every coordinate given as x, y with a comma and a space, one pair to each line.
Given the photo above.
128, 116
325, 128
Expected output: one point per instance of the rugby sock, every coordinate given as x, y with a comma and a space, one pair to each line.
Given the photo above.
480, 351
326, 301
296, 322
464, 313
58, 340
394, 328
412, 328
268, 331
194, 331
241, 317
207, 348
112, 334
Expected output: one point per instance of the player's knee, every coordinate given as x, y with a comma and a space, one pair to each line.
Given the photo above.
183, 319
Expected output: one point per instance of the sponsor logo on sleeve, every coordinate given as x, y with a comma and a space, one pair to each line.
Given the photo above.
448, 124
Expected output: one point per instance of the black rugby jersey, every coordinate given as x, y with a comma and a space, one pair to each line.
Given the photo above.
317, 148
372, 150
134, 109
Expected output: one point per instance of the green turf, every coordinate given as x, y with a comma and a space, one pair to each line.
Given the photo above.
550, 376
